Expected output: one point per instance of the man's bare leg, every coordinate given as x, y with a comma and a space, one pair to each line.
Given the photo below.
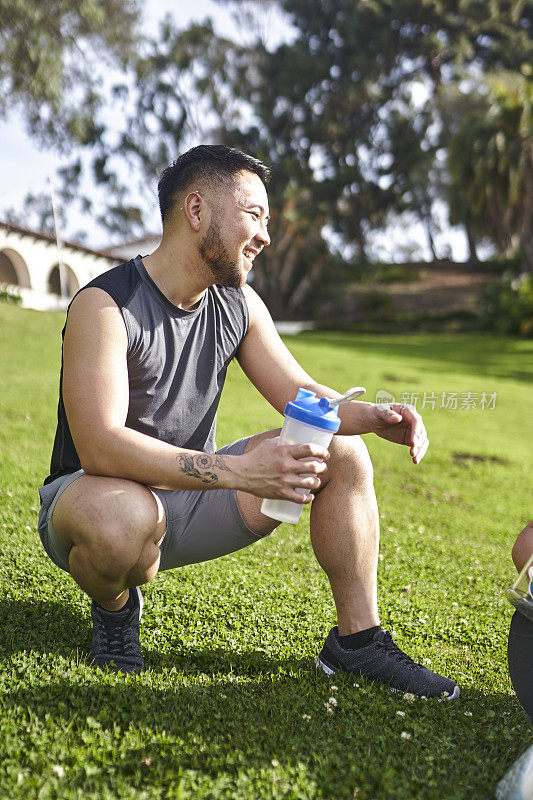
345, 533
344, 529
112, 526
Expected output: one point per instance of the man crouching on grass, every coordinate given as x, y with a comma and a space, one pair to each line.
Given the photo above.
137, 484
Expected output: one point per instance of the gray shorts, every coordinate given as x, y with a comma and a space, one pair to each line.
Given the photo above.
200, 525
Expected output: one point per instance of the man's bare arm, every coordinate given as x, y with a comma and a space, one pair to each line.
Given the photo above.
277, 375
96, 396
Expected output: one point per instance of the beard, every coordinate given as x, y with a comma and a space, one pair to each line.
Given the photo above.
225, 269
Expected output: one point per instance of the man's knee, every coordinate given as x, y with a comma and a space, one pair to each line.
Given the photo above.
350, 454
110, 520
253, 441
114, 556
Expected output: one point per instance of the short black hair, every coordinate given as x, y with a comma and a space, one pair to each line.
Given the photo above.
203, 165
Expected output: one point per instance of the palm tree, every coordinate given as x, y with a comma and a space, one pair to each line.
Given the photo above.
490, 162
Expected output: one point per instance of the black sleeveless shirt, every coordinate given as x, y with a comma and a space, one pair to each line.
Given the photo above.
177, 361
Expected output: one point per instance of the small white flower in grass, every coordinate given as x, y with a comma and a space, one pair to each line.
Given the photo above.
58, 770
356, 685
406, 735
274, 763
468, 713
307, 717
409, 697
330, 711
334, 688
332, 701
401, 713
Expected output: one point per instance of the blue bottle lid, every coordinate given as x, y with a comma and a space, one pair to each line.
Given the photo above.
306, 407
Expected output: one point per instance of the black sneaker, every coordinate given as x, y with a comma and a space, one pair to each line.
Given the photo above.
115, 643
382, 660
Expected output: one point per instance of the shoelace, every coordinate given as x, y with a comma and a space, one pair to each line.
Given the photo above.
387, 643
119, 636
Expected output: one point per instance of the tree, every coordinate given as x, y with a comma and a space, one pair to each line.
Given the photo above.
51, 56
490, 161
341, 132
353, 67
332, 111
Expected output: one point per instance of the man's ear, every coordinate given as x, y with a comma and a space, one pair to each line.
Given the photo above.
194, 209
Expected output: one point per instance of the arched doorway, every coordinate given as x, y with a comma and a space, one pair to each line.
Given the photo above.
13, 269
72, 284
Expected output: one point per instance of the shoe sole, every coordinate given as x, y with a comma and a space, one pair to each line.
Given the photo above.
141, 600
329, 671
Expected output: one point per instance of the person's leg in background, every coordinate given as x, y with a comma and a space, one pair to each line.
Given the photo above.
517, 783
520, 643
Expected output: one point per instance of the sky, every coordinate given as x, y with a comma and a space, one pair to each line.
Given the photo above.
25, 168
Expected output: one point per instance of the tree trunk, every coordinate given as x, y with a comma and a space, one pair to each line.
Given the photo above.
359, 234
473, 257
427, 222
526, 229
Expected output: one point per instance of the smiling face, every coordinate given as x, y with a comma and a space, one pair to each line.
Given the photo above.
237, 230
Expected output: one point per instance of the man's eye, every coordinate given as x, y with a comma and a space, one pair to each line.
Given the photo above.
254, 214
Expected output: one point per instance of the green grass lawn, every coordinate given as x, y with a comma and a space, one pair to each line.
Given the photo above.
231, 706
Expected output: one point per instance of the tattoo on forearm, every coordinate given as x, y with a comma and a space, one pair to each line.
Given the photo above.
201, 466
220, 462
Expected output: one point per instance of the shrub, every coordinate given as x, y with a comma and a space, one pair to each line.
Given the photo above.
10, 294
508, 305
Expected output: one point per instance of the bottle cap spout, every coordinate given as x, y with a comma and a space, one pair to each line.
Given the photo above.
307, 408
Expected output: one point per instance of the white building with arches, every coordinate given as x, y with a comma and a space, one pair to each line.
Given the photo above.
30, 267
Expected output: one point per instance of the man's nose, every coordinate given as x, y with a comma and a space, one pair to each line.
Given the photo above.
263, 236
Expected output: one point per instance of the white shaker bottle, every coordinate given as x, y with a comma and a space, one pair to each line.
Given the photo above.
307, 419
